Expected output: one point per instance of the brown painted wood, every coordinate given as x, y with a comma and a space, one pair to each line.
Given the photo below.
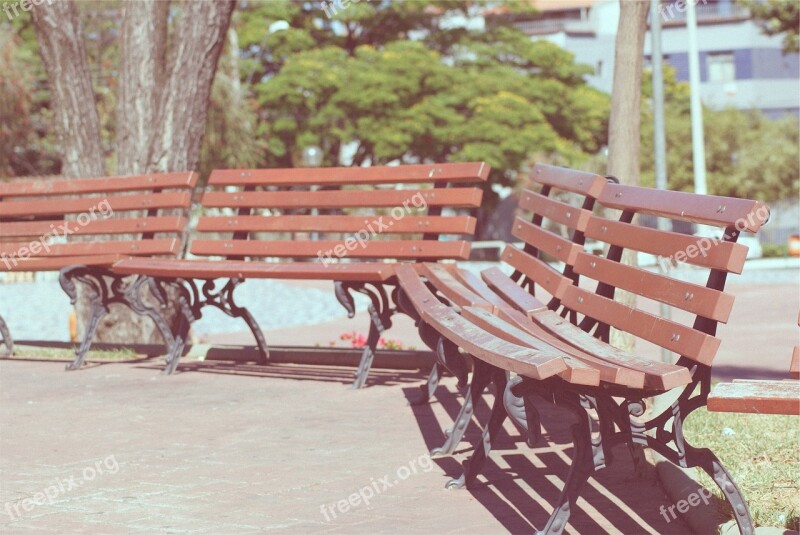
338, 223
166, 246
55, 263
452, 289
576, 373
401, 249
329, 176
756, 397
686, 296
720, 255
75, 186
705, 209
555, 210
510, 291
137, 225
474, 283
609, 369
117, 203
668, 334
538, 270
657, 375
213, 269
559, 248
565, 179
453, 197
536, 364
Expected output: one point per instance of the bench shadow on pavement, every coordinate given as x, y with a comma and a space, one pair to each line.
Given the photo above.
519, 485
300, 372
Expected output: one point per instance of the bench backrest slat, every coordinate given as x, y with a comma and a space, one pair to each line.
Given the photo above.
342, 176
693, 339
372, 212
62, 219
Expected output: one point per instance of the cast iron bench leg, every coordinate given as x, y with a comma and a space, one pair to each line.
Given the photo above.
376, 328
7, 341
474, 465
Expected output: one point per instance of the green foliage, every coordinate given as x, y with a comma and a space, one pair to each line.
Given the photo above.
747, 155
778, 17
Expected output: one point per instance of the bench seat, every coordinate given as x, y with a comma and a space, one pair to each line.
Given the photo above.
756, 397
57, 262
213, 269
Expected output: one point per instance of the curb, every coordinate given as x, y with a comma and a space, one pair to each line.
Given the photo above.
678, 483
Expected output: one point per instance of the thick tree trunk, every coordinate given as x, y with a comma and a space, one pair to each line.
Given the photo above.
623, 129
60, 37
161, 112
142, 72
184, 100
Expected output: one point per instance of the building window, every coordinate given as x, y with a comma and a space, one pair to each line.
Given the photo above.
721, 67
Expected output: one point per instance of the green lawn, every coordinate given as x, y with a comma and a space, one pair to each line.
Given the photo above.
763, 456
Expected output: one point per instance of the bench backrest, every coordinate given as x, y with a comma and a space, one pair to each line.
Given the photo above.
553, 226
707, 304
336, 213
56, 220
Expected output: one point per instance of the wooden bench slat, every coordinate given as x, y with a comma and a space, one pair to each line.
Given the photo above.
452, 197
721, 255
559, 248
136, 225
668, 334
565, 179
214, 269
658, 376
401, 249
117, 203
577, 372
704, 209
74, 186
329, 176
555, 210
756, 397
338, 223
693, 298
510, 291
452, 289
166, 246
55, 263
538, 270
474, 283
537, 364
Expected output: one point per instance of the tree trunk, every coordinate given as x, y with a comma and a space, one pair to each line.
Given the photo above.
142, 72
183, 103
623, 129
60, 37
161, 112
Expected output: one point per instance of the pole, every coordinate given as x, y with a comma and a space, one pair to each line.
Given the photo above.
659, 136
698, 149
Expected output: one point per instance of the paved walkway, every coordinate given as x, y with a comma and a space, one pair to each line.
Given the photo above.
118, 449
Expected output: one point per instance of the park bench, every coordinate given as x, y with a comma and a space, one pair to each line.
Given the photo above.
574, 324
346, 225
759, 396
81, 226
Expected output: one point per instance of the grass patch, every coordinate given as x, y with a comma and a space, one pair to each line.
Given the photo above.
763, 456
51, 353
